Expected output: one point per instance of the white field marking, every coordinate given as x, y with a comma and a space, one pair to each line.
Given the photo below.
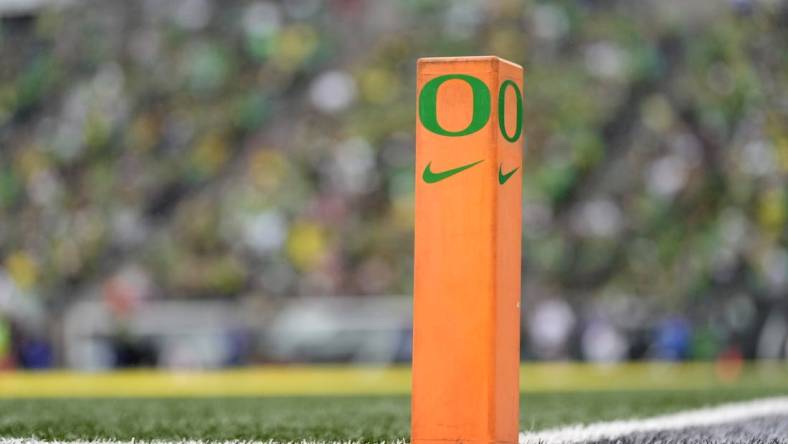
708, 416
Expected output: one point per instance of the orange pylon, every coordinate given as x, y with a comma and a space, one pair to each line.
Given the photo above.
466, 339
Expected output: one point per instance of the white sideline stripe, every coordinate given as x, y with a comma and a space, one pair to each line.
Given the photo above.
708, 416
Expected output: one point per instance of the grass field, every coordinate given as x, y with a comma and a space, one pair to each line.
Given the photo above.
343, 403
367, 419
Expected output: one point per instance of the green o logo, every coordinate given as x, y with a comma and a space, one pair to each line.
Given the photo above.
428, 101
502, 108
428, 109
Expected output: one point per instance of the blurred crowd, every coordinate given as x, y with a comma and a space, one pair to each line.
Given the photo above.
254, 151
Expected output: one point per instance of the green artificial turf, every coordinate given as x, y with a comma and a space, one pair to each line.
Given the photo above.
368, 419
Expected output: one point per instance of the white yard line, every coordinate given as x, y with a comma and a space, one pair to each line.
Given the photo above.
709, 416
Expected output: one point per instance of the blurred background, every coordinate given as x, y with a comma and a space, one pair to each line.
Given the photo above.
203, 184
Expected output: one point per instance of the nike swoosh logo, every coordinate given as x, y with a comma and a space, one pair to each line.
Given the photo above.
431, 177
502, 178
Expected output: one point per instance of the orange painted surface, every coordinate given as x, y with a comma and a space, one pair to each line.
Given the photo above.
467, 262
